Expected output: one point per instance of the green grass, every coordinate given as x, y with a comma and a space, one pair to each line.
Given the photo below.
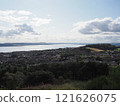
94, 49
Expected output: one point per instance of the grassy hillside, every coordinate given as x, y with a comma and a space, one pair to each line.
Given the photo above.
102, 46
94, 49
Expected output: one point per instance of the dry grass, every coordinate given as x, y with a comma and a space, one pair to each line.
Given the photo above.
75, 85
94, 49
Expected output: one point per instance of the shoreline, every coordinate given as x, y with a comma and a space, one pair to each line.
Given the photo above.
29, 48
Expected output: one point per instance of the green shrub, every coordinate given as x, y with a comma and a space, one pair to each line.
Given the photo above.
114, 79
111, 81
39, 77
97, 83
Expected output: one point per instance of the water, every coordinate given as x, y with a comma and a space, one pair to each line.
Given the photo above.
36, 47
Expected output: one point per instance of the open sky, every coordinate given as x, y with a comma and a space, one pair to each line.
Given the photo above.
81, 21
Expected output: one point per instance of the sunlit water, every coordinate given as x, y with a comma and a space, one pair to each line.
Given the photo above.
36, 47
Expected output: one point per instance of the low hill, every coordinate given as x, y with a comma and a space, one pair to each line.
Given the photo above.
102, 46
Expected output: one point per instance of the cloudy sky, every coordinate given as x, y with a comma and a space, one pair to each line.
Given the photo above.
81, 21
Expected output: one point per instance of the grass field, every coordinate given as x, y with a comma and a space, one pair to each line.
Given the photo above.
94, 49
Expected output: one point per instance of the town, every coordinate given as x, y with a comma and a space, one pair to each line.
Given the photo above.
63, 55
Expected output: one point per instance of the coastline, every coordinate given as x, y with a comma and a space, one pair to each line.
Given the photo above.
10, 49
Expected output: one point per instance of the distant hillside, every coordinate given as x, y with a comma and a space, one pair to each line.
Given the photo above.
102, 46
116, 44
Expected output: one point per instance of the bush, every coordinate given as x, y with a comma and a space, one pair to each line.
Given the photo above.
99, 83
110, 81
39, 77
114, 79
10, 81
13, 80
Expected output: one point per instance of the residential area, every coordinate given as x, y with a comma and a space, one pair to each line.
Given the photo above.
62, 55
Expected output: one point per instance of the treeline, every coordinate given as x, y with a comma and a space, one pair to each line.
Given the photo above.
16, 77
102, 46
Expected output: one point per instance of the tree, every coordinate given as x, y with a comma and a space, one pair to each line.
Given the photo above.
39, 77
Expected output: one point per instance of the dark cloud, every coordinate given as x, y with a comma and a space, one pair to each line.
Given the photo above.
19, 30
99, 26
116, 28
24, 28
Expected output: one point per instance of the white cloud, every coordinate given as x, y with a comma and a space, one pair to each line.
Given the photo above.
21, 17
39, 21
13, 23
22, 12
99, 26
7, 12
24, 26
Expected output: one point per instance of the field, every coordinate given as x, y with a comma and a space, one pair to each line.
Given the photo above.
94, 49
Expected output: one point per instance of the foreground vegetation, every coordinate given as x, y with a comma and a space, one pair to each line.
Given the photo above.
109, 82
81, 75
13, 77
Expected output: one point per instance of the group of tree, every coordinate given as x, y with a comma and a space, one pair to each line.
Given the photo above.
16, 77
109, 82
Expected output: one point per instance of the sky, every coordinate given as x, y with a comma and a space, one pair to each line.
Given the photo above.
68, 21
